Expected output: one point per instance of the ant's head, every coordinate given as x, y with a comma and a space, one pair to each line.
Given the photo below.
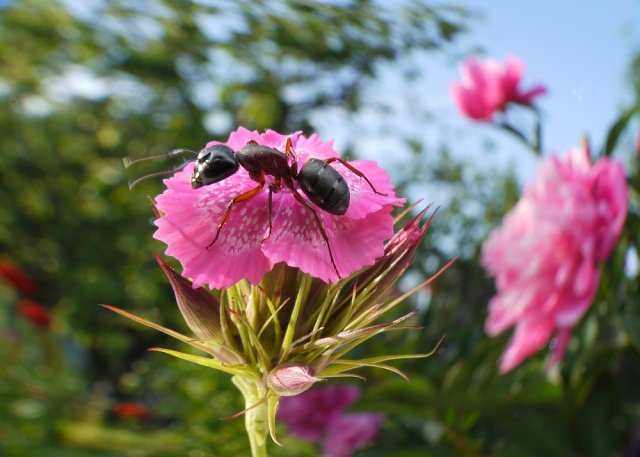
213, 165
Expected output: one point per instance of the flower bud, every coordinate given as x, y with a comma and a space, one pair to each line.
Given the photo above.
200, 309
291, 379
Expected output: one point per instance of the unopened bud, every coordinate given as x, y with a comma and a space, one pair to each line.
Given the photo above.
291, 379
201, 312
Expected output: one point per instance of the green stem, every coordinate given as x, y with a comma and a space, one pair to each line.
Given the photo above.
255, 419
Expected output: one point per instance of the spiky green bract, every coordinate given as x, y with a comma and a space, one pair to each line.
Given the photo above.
293, 330
201, 312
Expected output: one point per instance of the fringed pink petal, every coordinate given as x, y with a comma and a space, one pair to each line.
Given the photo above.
363, 199
190, 219
297, 240
313, 146
239, 138
189, 225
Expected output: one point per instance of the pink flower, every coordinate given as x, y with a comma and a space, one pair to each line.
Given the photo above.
309, 415
190, 218
545, 254
488, 87
318, 415
349, 432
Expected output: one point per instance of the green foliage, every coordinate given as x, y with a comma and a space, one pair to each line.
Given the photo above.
83, 84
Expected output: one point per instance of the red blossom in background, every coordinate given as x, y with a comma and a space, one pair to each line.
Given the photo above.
131, 410
35, 313
17, 278
545, 255
190, 217
488, 87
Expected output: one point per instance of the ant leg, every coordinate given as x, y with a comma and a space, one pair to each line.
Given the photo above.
274, 187
304, 202
269, 213
288, 150
248, 195
355, 171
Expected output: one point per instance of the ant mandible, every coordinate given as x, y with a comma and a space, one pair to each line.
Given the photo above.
318, 180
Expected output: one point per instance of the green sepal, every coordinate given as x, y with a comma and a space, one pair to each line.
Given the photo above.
348, 365
172, 333
238, 369
272, 409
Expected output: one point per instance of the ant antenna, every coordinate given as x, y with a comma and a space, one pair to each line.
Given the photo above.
128, 162
136, 181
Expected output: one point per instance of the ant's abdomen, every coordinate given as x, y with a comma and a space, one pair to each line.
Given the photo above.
324, 186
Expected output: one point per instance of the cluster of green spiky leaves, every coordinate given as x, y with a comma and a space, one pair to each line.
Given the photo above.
294, 320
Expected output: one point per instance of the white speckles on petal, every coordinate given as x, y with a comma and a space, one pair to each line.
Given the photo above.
191, 218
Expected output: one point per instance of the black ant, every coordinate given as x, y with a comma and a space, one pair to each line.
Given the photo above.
318, 180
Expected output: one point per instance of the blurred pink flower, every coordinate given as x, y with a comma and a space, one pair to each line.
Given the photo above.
309, 415
349, 432
190, 217
488, 86
545, 254
318, 415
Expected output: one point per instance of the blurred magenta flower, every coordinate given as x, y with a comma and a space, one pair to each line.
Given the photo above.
545, 254
35, 313
318, 415
349, 432
309, 414
189, 218
488, 87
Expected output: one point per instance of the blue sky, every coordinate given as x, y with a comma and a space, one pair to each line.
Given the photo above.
579, 49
